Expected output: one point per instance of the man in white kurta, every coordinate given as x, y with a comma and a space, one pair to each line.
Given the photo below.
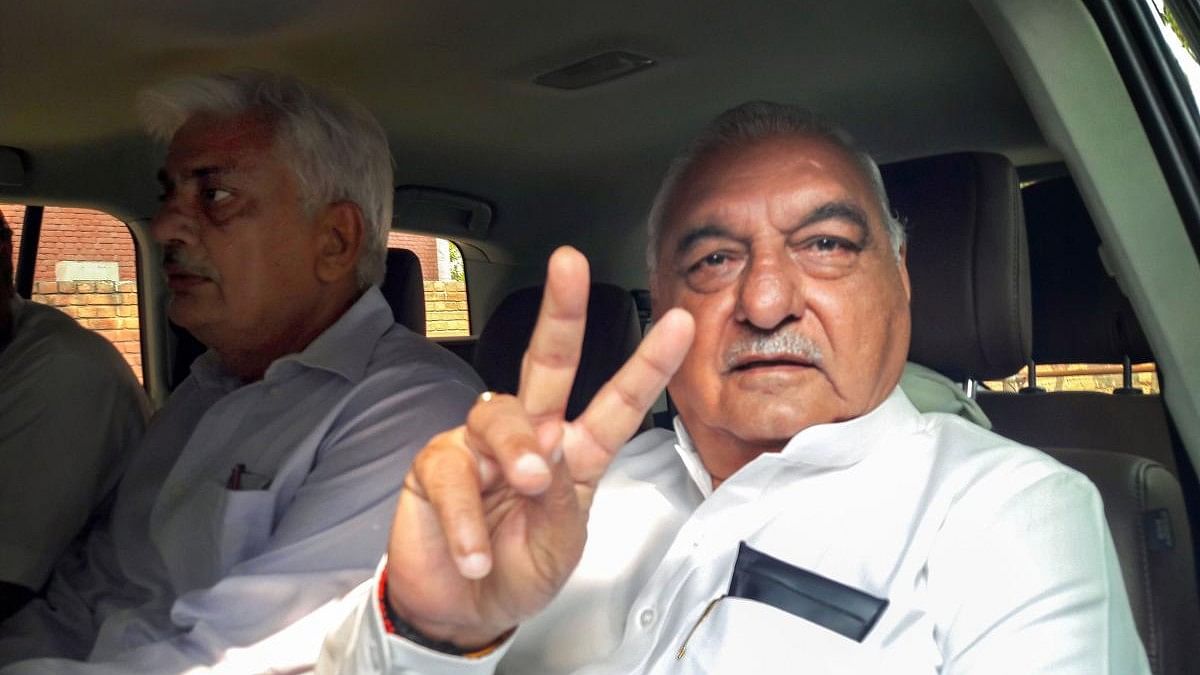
803, 518
993, 557
262, 490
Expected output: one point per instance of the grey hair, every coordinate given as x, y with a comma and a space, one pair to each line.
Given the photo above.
747, 124
336, 148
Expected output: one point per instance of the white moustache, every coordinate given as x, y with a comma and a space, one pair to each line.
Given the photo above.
773, 345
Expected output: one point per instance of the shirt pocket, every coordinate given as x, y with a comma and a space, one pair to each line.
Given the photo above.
213, 530
746, 636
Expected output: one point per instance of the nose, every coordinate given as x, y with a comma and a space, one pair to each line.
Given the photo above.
173, 222
771, 292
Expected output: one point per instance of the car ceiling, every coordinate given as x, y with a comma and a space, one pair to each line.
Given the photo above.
452, 84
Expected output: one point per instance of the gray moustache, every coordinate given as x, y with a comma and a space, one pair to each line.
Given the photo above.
773, 345
189, 265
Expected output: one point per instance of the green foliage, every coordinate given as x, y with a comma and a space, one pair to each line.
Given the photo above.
1168, 17
456, 264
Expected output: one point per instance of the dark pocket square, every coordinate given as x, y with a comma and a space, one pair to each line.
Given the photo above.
825, 602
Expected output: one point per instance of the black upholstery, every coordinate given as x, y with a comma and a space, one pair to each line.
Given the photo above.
404, 289
612, 335
967, 261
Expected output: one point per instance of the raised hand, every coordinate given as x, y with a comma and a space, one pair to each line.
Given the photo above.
493, 516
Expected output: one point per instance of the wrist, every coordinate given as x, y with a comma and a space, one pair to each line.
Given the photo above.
469, 644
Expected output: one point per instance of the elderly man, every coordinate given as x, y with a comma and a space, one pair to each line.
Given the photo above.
71, 412
804, 517
262, 490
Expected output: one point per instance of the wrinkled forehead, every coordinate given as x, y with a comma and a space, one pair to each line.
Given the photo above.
212, 134
785, 169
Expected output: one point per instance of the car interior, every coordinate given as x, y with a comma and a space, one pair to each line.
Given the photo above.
1044, 157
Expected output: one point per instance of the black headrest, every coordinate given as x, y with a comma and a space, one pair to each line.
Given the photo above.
404, 289
1079, 312
968, 263
612, 335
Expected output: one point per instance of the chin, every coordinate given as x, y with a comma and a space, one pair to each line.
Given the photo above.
768, 423
187, 313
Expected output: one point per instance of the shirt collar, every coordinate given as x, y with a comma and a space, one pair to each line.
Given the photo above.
842, 444
345, 348
832, 445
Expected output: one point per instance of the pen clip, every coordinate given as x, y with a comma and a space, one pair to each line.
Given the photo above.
703, 615
235, 477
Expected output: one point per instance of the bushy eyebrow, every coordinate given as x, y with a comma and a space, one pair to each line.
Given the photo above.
694, 236
837, 210
834, 210
165, 180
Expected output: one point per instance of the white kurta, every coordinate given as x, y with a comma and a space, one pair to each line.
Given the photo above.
993, 557
192, 571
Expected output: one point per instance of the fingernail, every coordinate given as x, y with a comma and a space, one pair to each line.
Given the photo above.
530, 464
556, 454
474, 565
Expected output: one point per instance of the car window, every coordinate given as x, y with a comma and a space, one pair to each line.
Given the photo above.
87, 267
1179, 45
1099, 377
446, 303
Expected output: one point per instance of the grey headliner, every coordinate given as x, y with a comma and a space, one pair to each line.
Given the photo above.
451, 82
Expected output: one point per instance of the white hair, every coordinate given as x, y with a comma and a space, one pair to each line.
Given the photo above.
750, 123
336, 148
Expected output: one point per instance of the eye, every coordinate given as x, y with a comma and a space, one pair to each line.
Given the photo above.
709, 263
215, 195
832, 245
713, 270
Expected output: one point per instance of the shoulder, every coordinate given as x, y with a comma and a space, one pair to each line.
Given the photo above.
988, 478
401, 353
53, 343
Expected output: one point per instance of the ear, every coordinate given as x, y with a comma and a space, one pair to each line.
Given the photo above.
902, 263
341, 230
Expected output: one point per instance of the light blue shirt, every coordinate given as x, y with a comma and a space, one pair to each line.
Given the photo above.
191, 572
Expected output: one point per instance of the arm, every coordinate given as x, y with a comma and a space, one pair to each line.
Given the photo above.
1029, 583
71, 419
273, 609
492, 519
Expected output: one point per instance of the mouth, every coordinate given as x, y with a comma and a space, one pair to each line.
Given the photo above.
753, 363
179, 280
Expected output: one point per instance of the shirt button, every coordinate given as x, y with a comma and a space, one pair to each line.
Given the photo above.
646, 617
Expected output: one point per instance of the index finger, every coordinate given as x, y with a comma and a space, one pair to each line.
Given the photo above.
549, 365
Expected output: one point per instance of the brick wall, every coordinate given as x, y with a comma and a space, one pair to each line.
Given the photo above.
108, 308
424, 247
446, 309
76, 234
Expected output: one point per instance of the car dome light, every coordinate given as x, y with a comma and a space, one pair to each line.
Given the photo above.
594, 70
